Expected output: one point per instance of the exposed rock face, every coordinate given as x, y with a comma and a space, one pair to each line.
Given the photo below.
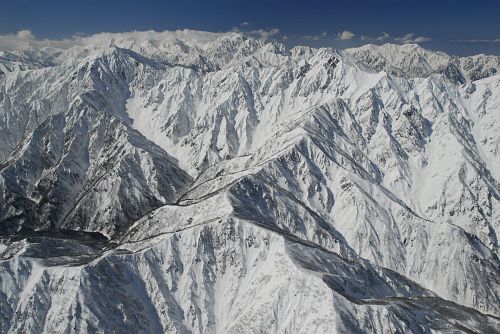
411, 60
228, 185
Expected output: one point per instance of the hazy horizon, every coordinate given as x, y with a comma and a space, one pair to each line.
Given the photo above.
454, 27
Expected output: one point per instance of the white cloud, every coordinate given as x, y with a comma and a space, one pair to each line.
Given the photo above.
243, 24
25, 39
382, 37
346, 35
264, 34
421, 39
412, 38
25, 34
20, 40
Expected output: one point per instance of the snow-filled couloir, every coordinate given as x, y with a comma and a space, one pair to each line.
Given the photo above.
215, 183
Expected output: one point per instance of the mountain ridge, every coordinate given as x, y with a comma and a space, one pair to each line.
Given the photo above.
210, 171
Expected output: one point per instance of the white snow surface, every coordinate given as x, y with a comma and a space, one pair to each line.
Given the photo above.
215, 183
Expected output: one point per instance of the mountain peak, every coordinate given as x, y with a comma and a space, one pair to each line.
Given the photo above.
199, 182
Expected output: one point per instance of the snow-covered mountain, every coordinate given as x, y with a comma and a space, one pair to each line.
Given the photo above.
215, 183
411, 60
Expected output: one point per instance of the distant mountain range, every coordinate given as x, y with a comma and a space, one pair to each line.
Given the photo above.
216, 183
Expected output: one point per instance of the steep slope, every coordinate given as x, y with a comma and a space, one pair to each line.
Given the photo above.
228, 276
23, 60
224, 184
79, 165
414, 61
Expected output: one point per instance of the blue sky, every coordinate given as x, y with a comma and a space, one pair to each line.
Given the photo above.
457, 27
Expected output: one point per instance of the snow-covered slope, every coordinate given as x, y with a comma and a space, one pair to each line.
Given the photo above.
217, 183
23, 60
414, 61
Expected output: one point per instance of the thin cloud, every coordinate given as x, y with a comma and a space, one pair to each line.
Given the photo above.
497, 40
315, 37
244, 24
346, 35
264, 34
383, 37
25, 39
412, 38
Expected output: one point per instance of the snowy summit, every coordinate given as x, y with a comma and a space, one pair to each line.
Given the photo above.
193, 182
